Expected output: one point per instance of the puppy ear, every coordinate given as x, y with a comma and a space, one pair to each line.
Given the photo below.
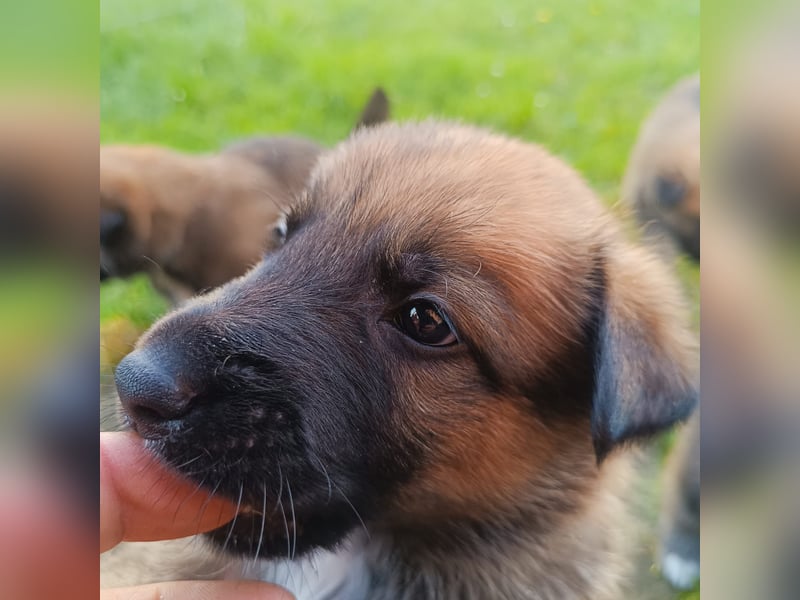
645, 378
376, 111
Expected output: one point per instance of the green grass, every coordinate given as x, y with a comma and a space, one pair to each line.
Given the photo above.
577, 76
134, 299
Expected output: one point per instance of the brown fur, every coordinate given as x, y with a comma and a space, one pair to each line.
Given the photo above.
498, 457
662, 181
192, 222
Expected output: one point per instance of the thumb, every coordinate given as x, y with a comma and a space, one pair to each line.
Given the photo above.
142, 500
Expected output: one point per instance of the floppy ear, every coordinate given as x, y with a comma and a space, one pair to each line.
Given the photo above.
645, 376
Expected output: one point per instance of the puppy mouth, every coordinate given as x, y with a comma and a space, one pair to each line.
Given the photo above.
260, 532
284, 507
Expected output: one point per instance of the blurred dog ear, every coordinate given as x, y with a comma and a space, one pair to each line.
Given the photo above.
645, 373
376, 110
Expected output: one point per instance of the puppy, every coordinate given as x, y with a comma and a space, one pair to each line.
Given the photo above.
662, 184
194, 222
190, 222
662, 181
423, 392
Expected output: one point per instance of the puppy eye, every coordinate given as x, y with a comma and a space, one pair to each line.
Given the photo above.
424, 322
280, 231
670, 191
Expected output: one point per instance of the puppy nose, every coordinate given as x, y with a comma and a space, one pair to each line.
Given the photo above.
150, 393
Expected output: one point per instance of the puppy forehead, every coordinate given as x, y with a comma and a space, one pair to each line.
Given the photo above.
486, 203
433, 181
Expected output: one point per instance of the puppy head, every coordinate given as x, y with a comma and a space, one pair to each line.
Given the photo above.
663, 178
450, 323
127, 203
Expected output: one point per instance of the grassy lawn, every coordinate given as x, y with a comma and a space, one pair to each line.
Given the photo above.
577, 76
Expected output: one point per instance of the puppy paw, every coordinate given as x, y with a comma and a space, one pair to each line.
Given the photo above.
680, 571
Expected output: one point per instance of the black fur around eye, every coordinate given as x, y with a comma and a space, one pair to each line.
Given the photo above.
424, 322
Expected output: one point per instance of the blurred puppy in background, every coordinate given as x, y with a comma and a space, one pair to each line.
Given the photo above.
662, 181
193, 222
662, 184
426, 390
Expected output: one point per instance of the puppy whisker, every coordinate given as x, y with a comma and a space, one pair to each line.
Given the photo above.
263, 524
188, 462
197, 488
358, 516
286, 531
205, 504
294, 520
280, 491
235, 516
153, 262
325, 472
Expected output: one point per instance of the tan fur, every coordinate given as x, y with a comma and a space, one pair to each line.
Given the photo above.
490, 225
197, 221
668, 146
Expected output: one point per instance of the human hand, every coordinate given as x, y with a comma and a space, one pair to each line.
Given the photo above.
141, 500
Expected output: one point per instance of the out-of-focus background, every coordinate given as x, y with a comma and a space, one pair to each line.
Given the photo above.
578, 77
48, 300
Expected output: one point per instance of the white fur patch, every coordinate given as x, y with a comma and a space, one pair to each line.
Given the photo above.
682, 573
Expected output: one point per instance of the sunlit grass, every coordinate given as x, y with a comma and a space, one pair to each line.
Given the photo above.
576, 76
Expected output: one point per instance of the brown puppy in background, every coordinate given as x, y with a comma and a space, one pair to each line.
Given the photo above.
662, 184
662, 181
190, 222
193, 222
426, 390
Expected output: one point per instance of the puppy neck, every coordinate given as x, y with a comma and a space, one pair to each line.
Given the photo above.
570, 556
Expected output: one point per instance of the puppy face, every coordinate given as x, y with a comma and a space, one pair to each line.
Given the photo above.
126, 207
198, 219
663, 178
450, 330
148, 195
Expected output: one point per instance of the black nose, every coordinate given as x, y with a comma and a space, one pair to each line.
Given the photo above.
151, 393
